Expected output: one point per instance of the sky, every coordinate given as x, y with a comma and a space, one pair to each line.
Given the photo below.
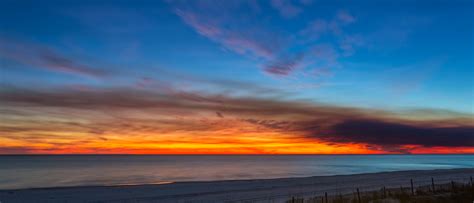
236, 77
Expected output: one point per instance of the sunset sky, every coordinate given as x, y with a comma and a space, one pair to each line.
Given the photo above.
236, 77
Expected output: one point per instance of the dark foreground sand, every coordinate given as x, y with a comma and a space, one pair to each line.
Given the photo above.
270, 190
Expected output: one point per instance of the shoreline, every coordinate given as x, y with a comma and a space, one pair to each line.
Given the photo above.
221, 181
237, 190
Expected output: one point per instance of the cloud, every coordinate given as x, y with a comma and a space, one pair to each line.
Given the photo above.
377, 132
217, 23
235, 27
284, 65
219, 114
145, 82
42, 57
318, 27
286, 8
134, 112
345, 17
384, 133
15, 150
193, 20
273, 124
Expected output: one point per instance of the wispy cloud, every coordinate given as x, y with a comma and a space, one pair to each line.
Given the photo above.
46, 58
345, 17
278, 53
273, 49
287, 8
284, 65
249, 42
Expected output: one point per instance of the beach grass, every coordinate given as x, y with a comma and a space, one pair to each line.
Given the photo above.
453, 192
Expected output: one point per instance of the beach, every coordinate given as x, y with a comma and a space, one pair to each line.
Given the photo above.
258, 190
236, 101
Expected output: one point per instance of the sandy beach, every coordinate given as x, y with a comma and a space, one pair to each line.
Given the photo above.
267, 190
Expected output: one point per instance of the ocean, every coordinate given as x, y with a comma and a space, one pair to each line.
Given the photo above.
39, 171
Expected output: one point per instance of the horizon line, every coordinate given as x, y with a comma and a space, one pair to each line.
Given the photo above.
137, 154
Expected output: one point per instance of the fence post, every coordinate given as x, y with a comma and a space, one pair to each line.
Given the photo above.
471, 182
432, 184
453, 186
384, 192
358, 195
322, 199
326, 196
412, 190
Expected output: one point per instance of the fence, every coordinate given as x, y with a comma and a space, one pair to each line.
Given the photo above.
411, 187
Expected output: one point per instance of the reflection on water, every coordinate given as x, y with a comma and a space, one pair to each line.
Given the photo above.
75, 170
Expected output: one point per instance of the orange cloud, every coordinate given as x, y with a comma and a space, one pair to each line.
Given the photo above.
174, 122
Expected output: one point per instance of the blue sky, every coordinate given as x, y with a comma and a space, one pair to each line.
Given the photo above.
374, 54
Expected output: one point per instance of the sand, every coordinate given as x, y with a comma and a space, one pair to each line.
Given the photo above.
268, 190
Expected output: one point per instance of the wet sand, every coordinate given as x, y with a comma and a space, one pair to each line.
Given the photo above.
265, 190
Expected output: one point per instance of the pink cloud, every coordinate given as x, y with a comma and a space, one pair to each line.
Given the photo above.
207, 29
286, 8
41, 57
244, 45
345, 17
224, 25
284, 66
246, 42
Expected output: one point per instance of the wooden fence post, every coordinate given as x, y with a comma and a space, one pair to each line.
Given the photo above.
384, 192
412, 190
432, 184
358, 195
326, 196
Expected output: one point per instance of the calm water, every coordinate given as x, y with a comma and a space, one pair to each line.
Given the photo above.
74, 170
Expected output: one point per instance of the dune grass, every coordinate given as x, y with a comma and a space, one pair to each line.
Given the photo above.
444, 193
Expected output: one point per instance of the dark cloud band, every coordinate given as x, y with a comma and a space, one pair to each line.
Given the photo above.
323, 123
385, 133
